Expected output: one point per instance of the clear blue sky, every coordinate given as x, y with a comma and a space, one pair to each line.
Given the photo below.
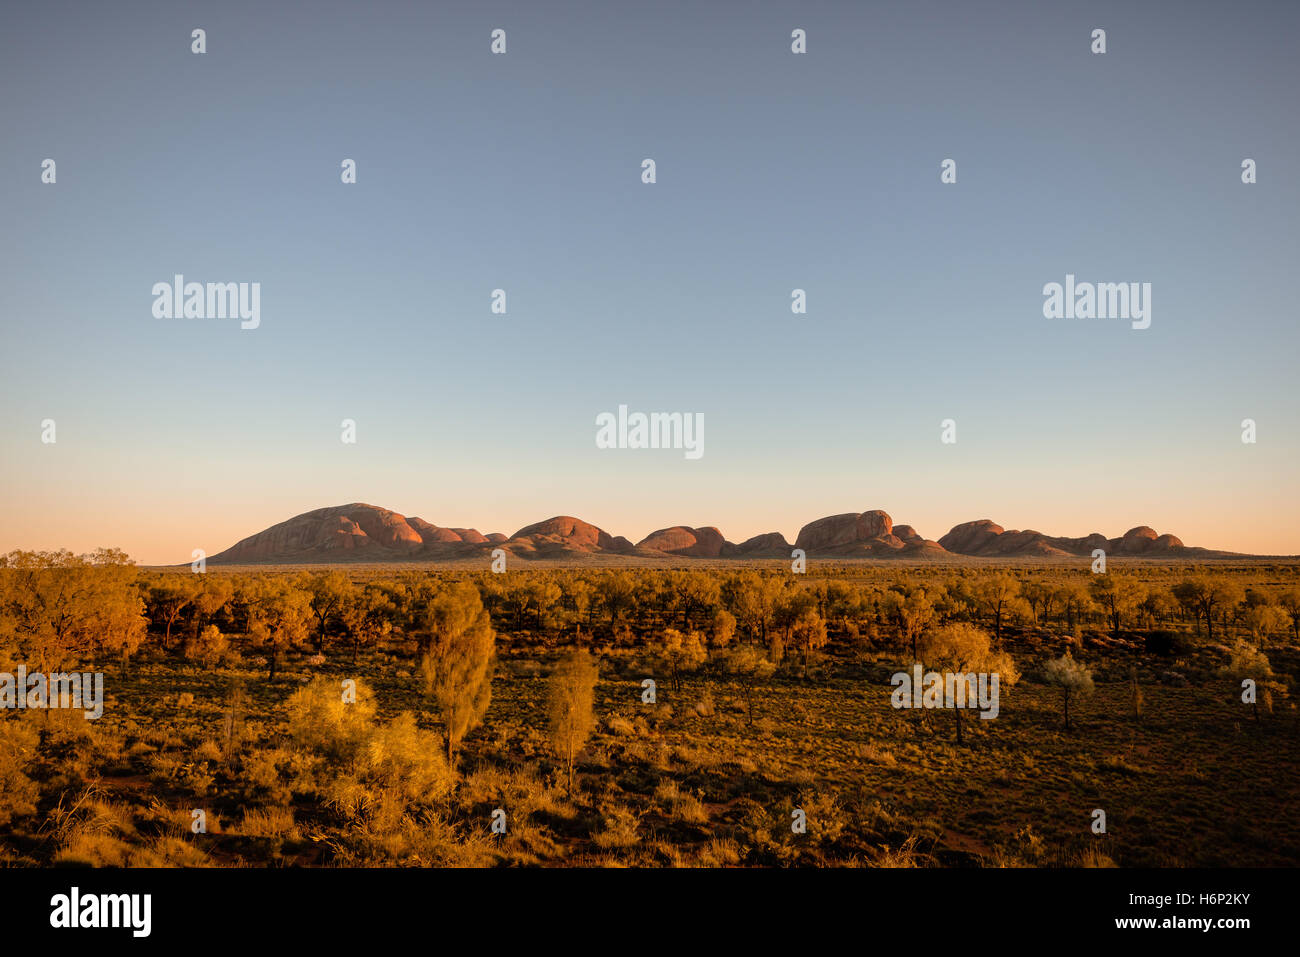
522, 171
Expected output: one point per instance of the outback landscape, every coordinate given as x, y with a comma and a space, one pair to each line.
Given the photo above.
356, 688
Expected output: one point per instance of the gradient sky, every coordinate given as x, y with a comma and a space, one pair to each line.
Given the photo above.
522, 171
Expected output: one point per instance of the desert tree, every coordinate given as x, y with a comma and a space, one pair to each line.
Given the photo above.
1262, 619
698, 596
57, 607
835, 601
808, 633
1118, 596
578, 596
208, 648
213, 597
617, 593
748, 666
680, 654
753, 599
722, 629
911, 612
1289, 602
1040, 595
544, 596
279, 618
1158, 605
1248, 662
327, 592
996, 594
790, 606
571, 694
367, 615
170, 596
1072, 598
961, 648
458, 665
1073, 678
1205, 596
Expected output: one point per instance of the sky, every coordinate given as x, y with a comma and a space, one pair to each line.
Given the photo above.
523, 171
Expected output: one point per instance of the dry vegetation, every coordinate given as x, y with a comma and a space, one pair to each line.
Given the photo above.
384, 716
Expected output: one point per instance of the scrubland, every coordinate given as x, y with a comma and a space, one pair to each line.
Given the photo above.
434, 717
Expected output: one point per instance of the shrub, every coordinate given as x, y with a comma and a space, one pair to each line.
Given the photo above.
321, 720
18, 793
1165, 644
397, 766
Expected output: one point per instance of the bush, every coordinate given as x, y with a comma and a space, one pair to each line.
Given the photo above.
209, 648
18, 793
1165, 644
397, 766
320, 719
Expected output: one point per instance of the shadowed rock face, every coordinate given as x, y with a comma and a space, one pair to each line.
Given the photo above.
867, 534
355, 532
769, 545
848, 529
969, 537
360, 532
565, 528
984, 538
680, 540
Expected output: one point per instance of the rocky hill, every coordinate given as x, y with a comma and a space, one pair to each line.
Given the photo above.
366, 533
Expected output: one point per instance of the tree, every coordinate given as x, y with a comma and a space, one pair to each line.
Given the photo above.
457, 668
722, 629
962, 649
543, 597
214, 595
1203, 596
1072, 677
753, 598
56, 606
616, 590
1040, 596
170, 597
578, 595
808, 633
572, 693
995, 593
912, 613
680, 654
747, 666
1248, 662
1261, 620
1117, 595
279, 618
1290, 603
1072, 596
327, 593
208, 647
367, 615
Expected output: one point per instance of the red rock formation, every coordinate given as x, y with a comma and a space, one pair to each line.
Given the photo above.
680, 540
360, 532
